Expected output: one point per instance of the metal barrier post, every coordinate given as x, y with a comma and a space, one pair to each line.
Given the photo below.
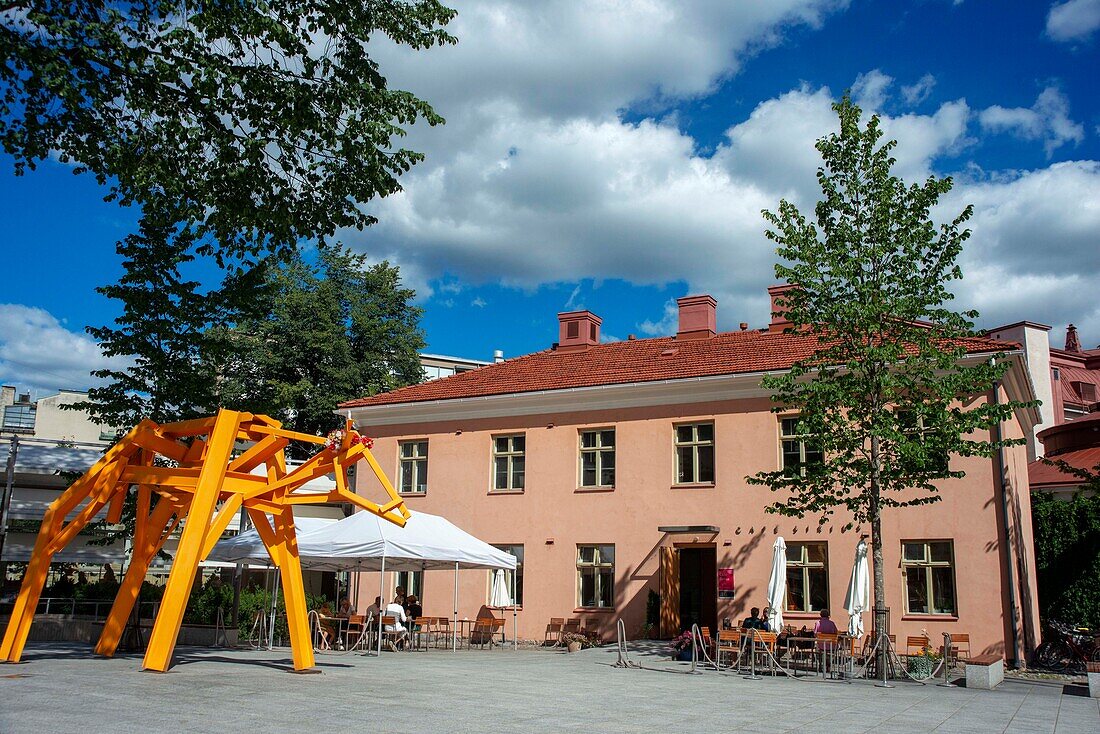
946, 659
882, 620
752, 656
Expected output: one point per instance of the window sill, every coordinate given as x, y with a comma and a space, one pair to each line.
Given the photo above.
801, 615
594, 610
701, 485
929, 618
586, 490
412, 494
505, 491
519, 608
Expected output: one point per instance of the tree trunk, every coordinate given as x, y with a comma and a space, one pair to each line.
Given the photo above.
875, 516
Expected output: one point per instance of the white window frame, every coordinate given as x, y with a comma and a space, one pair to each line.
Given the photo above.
694, 444
597, 565
417, 464
927, 564
801, 438
804, 564
511, 455
599, 450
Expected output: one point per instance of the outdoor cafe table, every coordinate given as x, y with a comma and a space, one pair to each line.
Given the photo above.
835, 650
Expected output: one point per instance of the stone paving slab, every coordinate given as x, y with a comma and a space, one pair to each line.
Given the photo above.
62, 688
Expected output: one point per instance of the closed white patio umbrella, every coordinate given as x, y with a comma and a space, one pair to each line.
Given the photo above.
777, 585
859, 591
502, 597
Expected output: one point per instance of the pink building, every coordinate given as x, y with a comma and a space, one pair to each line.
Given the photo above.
615, 470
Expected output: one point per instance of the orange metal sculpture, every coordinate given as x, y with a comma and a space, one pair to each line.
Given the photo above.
203, 493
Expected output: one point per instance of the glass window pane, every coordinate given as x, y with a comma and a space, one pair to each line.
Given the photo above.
815, 552
517, 476
607, 438
588, 439
917, 589
422, 448
706, 464
406, 477
501, 472
792, 455
684, 434
796, 597
588, 461
501, 444
705, 432
588, 587
813, 453
913, 551
586, 553
422, 475
685, 471
607, 554
941, 552
607, 459
406, 450
588, 476
518, 443
943, 590
794, 553
607, 476
819, 588
789, 426
607, 588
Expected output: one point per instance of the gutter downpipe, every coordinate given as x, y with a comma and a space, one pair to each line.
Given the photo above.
1008, 556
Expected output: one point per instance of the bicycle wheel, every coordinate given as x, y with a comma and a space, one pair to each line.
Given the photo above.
1053, 655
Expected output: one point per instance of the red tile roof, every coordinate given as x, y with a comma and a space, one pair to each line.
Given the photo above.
1041, 474
640, 360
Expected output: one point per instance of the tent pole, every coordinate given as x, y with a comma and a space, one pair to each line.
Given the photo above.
454, 629
381, 602
515, 637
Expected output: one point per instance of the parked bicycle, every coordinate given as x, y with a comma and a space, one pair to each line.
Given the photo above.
1066, 647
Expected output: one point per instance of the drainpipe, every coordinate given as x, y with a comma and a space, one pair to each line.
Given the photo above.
1002, 481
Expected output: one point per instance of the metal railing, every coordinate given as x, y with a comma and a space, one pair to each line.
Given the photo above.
92, 609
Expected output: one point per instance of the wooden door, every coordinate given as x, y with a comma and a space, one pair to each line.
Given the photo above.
670, 592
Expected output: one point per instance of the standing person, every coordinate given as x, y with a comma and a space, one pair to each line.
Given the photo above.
399, 595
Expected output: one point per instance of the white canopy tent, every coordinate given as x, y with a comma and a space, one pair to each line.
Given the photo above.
366, 542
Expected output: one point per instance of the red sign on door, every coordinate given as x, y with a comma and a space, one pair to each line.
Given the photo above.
725, 583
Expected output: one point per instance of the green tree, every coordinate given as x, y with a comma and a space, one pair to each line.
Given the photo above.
259, 124
165, 331
1067, 549
328, 332
887, 395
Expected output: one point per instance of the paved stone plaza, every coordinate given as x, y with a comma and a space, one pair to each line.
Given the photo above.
63, 688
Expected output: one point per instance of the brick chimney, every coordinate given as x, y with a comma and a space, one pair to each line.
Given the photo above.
779, 321
578, 330
1073, 344
698, 317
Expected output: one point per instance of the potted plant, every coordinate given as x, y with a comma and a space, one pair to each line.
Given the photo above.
573, 641
681, 646
922, 665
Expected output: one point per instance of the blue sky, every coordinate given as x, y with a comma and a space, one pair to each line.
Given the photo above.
616, 155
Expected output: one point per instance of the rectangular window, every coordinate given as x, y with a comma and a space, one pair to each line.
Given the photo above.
929, 569
598, 458
414, 467
411, 582
799, 451
920, 455
508, 461
595, 576
517, 551
807, 577
695, 453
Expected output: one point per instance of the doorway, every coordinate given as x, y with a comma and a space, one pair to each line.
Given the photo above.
698, 587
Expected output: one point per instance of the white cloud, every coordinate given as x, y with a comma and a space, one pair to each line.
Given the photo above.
1074, 20
479, 302
919, 91
1047, 120
40, 354
538, 177
870, 89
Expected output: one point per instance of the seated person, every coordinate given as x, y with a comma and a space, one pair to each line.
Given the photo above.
397, 611
826, 626
766, 616
374, 612
753, 621
345, 608
413, 609
327, 627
